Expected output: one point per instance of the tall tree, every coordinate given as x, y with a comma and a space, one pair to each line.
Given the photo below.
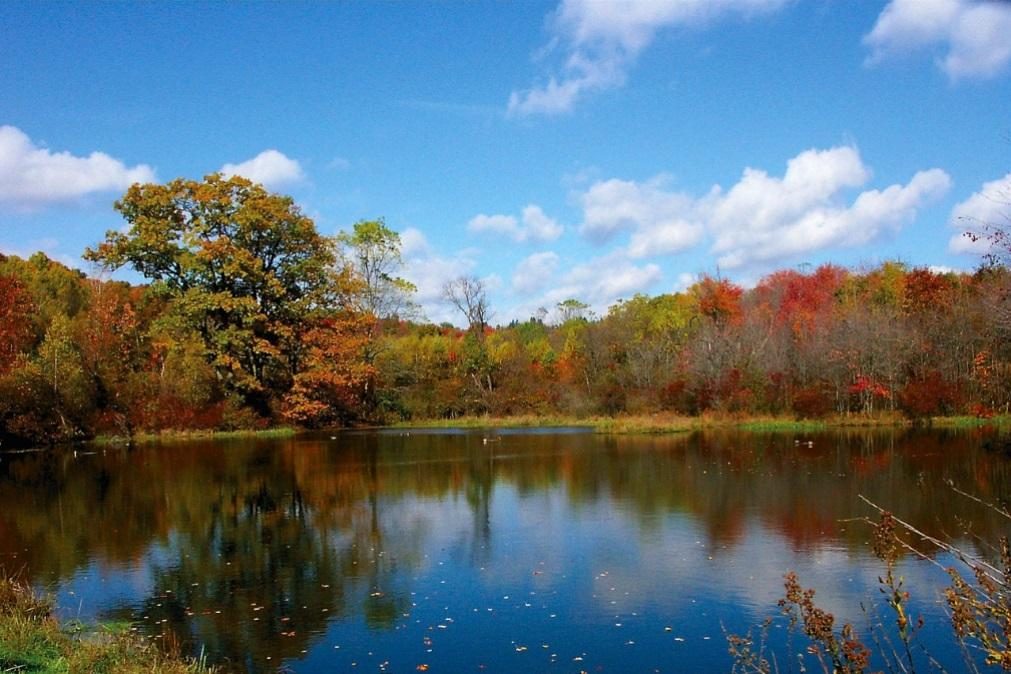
244, 267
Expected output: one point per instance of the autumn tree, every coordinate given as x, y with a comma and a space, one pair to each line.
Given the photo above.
245, 268
331, 388
16, 310
374, 251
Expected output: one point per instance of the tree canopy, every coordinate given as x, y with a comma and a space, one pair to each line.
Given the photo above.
245, 269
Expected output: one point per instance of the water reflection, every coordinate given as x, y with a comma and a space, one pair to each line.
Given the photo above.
507, 551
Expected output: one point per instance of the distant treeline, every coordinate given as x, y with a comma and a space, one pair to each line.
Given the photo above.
251, 318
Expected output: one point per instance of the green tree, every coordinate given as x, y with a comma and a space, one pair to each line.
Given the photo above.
572, 310
244, 268
373, 250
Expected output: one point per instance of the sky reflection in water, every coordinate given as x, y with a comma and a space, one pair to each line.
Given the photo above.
481, 550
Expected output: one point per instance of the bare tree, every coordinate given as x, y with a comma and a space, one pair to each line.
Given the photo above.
467, 293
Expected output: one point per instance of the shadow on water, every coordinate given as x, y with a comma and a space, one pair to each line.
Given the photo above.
396, 549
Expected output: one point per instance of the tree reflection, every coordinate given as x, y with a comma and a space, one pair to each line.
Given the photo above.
253, 548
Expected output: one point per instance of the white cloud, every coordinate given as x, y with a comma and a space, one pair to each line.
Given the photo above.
765, 219
973, 35
270, 168
603, 39
535, 225
495, 224
657, 215
587, 284
413, 243
429, 272
685, 281
33, 176
539, 227
761, 219
533, 272
988, 208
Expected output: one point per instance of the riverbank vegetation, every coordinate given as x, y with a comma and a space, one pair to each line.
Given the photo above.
250, 319
978, 599
33, 640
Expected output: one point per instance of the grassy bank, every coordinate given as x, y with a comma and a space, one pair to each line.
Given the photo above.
32, 640
1002, 422
171, 435
663, 423
623, 424
679, 424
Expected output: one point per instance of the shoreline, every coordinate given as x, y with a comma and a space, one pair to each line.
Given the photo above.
32, 639
620, 425
662, 424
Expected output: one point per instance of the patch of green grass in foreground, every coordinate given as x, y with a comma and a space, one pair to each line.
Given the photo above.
171, 435
32, 640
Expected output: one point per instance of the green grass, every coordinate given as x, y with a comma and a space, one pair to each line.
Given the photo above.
1001, 421
668, 423
629, 424
172, 435
32, 640
617, 425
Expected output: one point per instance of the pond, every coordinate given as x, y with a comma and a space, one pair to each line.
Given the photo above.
486, 550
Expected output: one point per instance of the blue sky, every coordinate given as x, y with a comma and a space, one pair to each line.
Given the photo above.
556, 149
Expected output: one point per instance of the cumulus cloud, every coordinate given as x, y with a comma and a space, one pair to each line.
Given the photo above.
764, 218
659, 217
533, 225
970, 36
413, 243
602, 40
988, 208
821, 224
270, 168
761, 219
533, 272
32, 176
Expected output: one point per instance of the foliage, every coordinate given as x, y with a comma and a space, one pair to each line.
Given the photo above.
245, 269
16, 311
253, 318
331, 388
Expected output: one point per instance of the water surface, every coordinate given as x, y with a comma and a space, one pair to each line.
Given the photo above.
483, 551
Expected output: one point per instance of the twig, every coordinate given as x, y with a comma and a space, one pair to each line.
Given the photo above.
991, 571
992, 506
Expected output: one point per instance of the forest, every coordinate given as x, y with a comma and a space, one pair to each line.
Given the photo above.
250, 318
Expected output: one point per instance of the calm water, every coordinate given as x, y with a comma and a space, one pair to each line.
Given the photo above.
493, 551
